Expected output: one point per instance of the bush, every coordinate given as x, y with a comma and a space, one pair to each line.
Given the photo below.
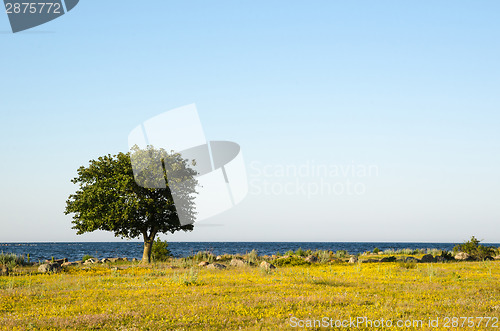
341, 254
160, 251
474, 249
204, 256
300, 252
290, 261
253, 256
11, 260
376, 250
86, 257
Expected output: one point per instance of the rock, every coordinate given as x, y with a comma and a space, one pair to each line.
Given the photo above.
49, 267
90, 261
462, 256
105, 260
311, 259
353, 259
203, 264
216, 266
267, 265
218, 258
4, 271
427, 258
69, 264
237, 263
135, 260
388, 259
497, 257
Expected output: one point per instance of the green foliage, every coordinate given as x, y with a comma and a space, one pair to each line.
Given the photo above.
474, 249
290, 261
160, 251
109, 197
253, 256
341, 254
376, 250
203, 256
300, 252
447, 255
86, 257
11, 260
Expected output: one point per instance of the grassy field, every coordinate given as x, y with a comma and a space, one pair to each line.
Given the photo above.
162, 297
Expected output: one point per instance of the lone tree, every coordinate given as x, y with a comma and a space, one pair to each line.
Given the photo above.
110, 198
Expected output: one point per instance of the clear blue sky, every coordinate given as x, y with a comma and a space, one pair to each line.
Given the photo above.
410, 87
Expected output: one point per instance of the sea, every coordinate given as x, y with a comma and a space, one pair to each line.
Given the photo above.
73, 251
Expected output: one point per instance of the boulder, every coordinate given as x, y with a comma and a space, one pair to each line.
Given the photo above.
388, 259
267, 265
91, 261
4, 271
105, 260
237, 263
203, 264
311, 259
427, 258
353, 259
69, 264
135, 260
216, 266
462, 256
218, 258
49, 267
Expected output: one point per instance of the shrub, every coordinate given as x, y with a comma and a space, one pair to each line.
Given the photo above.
253, 256
341, 254
290, 261
160, 251
86, 257
323, 256
474, 249
376, 250
11, 259
300, 252
204, 256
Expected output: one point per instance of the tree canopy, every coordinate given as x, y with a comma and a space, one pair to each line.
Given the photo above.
134, 201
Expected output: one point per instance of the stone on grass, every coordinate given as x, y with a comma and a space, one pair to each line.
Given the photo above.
427, 258
266, 265
237, 263
203, 264
49, 267
353, 259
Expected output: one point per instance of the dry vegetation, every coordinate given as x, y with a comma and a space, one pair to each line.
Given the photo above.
165, 297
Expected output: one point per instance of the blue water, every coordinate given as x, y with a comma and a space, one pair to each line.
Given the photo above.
76, 250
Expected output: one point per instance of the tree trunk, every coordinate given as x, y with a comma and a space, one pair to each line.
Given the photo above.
148, 245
